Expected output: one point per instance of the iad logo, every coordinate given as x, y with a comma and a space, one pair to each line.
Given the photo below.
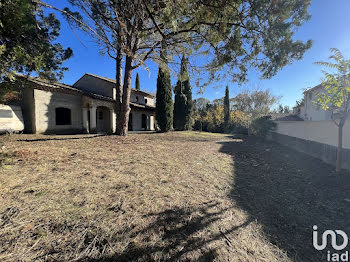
333, 238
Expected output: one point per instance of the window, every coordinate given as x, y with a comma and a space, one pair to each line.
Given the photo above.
5, 113
137, 98
146, 101
100, 115
63, 116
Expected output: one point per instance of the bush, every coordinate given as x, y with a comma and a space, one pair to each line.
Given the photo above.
197, 125
240, 129
262, 125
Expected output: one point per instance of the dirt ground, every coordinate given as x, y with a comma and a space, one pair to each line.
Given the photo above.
182, 196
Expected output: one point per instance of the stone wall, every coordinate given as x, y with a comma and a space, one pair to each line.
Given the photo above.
45, 112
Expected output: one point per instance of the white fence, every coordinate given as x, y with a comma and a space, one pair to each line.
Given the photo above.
315, 138
325, 132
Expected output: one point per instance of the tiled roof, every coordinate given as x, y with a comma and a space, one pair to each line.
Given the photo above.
44, 84
113, 81
142, 106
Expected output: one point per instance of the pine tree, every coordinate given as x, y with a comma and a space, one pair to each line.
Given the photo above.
137, 82
183, 100
227, 108
164, 105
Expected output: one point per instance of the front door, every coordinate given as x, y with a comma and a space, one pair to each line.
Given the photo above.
88, 118
144, 122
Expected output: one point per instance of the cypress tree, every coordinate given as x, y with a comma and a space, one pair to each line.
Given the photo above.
164, 104
227, 108
183, 100
137, 82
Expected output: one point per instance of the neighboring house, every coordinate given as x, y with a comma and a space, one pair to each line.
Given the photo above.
311, 130
86, 107
312, 111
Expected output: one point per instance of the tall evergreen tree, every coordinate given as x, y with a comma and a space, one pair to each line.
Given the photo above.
183, 100
189, 104
137, 82
164, 104
227, 108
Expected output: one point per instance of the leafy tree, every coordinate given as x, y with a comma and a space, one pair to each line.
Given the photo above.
164, 104
239, 122
227, 108
199, 111
280, 108
262, 125
336, 95
286, 109
214, 118
283, 109
27, 41
231, 34
137, 82
300, 102
183, 105
218, 101
200, 104
256, 103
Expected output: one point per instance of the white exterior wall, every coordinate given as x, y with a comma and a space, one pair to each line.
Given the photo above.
325, 132
141, 99
95, 85
137, 120
45, 114
313, 112
11, 118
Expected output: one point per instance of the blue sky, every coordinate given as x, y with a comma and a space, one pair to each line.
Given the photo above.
328, 27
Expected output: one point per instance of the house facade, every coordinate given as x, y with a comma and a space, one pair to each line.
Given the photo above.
317, 135
88, 106
309, 110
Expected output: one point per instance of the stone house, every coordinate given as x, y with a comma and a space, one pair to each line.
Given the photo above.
88, 106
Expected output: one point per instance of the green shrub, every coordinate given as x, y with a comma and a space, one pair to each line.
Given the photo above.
262, 125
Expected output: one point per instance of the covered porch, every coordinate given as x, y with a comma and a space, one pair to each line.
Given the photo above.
98, 116
141, 118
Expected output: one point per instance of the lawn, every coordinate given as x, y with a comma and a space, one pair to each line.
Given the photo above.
182, 196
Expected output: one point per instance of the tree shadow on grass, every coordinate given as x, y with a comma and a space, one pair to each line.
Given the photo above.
288, 192
183, 236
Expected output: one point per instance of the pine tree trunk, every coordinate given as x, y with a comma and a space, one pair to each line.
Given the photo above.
340, 146
119, 91
125, 106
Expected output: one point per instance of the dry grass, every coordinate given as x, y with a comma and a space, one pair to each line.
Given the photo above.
146, 197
